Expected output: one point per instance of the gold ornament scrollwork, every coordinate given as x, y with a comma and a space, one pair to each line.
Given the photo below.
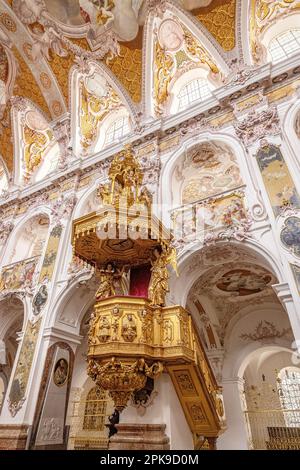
36, 144
198, 52
122, 379
93, 110
164, 65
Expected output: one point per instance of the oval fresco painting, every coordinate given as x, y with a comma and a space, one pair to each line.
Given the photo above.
61, 372
243, 282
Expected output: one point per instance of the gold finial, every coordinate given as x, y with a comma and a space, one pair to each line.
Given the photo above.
126, 177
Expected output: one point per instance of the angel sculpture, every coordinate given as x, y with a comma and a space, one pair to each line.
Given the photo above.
159, 282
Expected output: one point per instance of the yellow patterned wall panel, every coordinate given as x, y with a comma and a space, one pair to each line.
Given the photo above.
61, 68
6, 147
219, 19
128, 67
27, 86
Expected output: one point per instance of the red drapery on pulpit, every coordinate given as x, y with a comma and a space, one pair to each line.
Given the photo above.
139, 281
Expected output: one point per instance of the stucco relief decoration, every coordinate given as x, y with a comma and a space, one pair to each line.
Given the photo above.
3, 184
258, 125
97, 99
77, 268
62, 134
264, 331
290, 235
150, 166
38, 139
176, 50
211, 220
63, 207
50, 38
104, 22
264, 13
6, 228
48, 266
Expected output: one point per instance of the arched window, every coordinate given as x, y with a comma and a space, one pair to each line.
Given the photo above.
95, 410
285, 45
117, 130
196, 90
289, 393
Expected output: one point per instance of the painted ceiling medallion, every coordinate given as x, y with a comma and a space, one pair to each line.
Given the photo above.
171, 35
36, 121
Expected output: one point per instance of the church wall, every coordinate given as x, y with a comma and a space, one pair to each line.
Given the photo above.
165, 409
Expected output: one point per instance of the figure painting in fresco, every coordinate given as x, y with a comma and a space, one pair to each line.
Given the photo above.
60, 374
243, 282
290, 235
277, 178
18, 276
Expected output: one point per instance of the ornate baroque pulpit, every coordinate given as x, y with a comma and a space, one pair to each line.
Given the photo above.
133, 333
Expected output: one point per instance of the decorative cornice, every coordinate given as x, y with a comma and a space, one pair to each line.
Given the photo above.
195, 120
258, 125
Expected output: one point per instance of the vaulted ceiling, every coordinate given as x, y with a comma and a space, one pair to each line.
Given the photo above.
42, 40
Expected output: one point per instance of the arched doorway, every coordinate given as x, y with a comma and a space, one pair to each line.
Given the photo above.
228, 288
272, 400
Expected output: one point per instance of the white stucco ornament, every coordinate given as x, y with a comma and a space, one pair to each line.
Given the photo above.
192, 4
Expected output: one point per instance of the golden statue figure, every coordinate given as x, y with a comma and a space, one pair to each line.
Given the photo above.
104, 193
159, 282
108, 276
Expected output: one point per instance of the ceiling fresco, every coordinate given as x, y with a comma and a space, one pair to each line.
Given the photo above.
43, 40
232, 280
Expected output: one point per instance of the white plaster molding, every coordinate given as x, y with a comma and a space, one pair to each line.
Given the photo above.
55, 334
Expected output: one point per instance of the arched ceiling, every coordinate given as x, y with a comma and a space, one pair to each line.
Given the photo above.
44, 39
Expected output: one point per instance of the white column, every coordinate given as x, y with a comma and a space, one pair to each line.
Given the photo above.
2, 352
284, 294
235, 437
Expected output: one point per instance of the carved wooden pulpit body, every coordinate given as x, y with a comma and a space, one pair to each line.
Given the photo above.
133, 333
